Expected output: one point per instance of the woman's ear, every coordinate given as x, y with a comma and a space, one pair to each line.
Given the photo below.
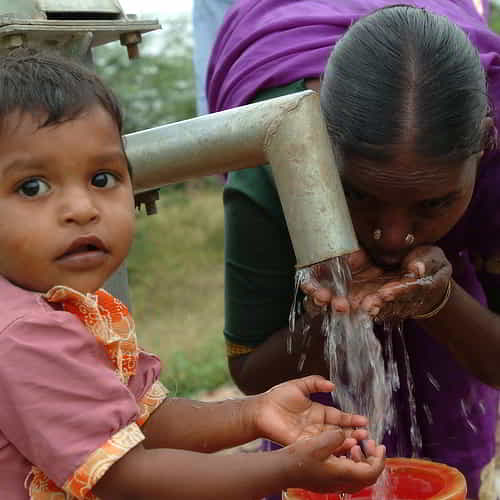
489, 135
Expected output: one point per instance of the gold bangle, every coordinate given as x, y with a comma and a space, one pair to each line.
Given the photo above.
440, 306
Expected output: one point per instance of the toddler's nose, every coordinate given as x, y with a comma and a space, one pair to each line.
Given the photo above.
80, 209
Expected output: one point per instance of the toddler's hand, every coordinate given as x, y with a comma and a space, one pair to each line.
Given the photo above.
285, 413
318, 463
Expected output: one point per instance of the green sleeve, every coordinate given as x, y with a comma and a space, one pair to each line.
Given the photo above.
258, 254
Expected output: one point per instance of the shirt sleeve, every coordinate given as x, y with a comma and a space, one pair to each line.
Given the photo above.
258, 253
61, 399
259, 260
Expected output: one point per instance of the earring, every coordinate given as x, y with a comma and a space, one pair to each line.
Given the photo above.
377, 234
409, 239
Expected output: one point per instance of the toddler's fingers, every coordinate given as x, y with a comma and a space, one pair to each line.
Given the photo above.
346, 447
314, 383
369, 447
327, 443
346, 419
377, 458
359, 434
356, 454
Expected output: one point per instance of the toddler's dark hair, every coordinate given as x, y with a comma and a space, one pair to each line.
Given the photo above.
51, 86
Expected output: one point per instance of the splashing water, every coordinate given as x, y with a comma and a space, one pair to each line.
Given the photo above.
353, 351
364, 382
415, 435
383, 487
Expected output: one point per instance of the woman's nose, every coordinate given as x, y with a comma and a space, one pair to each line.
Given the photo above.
394, 229
79, 208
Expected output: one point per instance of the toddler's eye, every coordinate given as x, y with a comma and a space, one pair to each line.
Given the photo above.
104, 180
33, 187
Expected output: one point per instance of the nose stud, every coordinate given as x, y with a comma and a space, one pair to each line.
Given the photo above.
409, 239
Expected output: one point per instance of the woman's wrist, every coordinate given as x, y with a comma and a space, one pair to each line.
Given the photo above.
438, 307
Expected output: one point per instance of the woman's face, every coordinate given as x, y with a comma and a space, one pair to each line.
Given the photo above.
406, 196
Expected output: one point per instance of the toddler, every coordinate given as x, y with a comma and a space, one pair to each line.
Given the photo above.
83, 414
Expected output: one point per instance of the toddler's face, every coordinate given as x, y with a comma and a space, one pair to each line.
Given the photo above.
66, 202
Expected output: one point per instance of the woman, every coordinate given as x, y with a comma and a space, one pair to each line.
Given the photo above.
405, 100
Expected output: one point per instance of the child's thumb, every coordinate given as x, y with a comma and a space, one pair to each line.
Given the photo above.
327, 442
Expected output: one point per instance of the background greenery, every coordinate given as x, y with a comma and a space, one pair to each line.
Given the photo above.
176, 264
495, 17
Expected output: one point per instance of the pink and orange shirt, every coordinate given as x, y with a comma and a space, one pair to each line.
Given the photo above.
75, 390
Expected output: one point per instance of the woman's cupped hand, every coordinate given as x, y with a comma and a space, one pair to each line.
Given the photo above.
416, 288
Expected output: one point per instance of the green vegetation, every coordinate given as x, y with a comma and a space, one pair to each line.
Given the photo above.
158, 87
176, 282
176, 264
495, 18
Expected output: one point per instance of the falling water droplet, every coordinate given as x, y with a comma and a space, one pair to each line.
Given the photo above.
433, 381
465, 413
415, 435
482, 408
428, 413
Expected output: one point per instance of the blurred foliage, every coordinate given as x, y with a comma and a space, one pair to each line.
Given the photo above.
177, 288
158, 87
495, 18
176, 264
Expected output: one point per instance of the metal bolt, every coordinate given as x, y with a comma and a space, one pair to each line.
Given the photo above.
13, 41
148, 199
131, 41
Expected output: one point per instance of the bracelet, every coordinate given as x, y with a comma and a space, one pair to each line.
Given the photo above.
440, 306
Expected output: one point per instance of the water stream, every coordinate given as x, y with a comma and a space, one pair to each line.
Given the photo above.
365, 381
363, 385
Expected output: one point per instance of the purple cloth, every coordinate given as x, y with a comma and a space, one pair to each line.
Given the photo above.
270, 43
60, 397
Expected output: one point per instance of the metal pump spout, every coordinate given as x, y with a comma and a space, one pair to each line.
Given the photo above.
289, 133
